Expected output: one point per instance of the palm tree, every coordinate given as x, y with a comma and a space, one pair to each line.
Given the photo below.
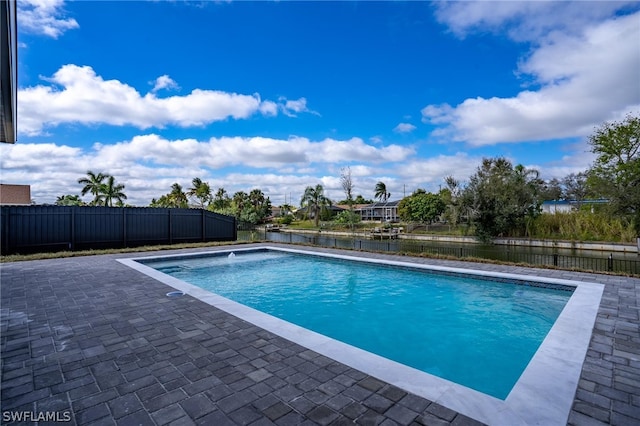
286, 209
381, 192
94, 184
221, 200
314, 200
240, 198
177, 198
261, 204
201, 191
256, 197
112, 191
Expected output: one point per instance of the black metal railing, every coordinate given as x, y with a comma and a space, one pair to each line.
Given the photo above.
605, 263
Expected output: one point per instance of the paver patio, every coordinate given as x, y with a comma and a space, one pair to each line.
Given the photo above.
91, 339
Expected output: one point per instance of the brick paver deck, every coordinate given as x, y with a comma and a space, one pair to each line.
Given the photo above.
91, 339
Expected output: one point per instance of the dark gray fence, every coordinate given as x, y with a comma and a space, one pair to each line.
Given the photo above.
33, 229
604, 263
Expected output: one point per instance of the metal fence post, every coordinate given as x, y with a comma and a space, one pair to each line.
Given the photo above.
73, 228
610, 262
124, 227
6, 214
170, 236
555, 259
203, 222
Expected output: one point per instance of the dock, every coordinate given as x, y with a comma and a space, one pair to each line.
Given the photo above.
384, 233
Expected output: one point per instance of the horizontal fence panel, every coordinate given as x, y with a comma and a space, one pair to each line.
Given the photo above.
219, 226
147, 226
31, 229
186, 225
28, 229
98, 228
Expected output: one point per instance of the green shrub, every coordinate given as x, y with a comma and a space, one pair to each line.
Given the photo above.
583, 226
286, 220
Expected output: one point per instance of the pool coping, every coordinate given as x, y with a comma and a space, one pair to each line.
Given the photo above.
544, 394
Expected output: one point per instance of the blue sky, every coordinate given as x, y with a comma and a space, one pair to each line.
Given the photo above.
282, 95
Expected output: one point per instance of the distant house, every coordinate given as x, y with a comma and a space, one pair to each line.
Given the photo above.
355, 207
381, 212
276, 212
560, 206
15, 195
568, 206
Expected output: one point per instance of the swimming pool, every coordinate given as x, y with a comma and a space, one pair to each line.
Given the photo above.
480, 360
479, 333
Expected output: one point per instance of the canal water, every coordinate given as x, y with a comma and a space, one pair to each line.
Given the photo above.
566, 258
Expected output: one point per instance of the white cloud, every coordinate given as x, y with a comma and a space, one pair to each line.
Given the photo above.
78, 95
404, 128
430, 172
164, 82
149, 164
525, 20
583, 80
578, 158
269, 108
45, 17
257, 152
291, 108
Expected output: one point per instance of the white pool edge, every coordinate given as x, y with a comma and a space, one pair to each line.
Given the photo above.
543, 395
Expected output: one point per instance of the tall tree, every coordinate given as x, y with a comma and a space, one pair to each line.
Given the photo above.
503, 200
256, 197
421, 206
201, 191
575, 187
113, 191
260, 204
240, 202
251, 208
221, 200
174, 199
177, 197
616, 172
93, 184
452, 196
381, 192
314, 200
552, 190
286, 209
347, 186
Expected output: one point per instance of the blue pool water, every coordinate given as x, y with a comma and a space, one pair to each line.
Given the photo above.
475, 332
